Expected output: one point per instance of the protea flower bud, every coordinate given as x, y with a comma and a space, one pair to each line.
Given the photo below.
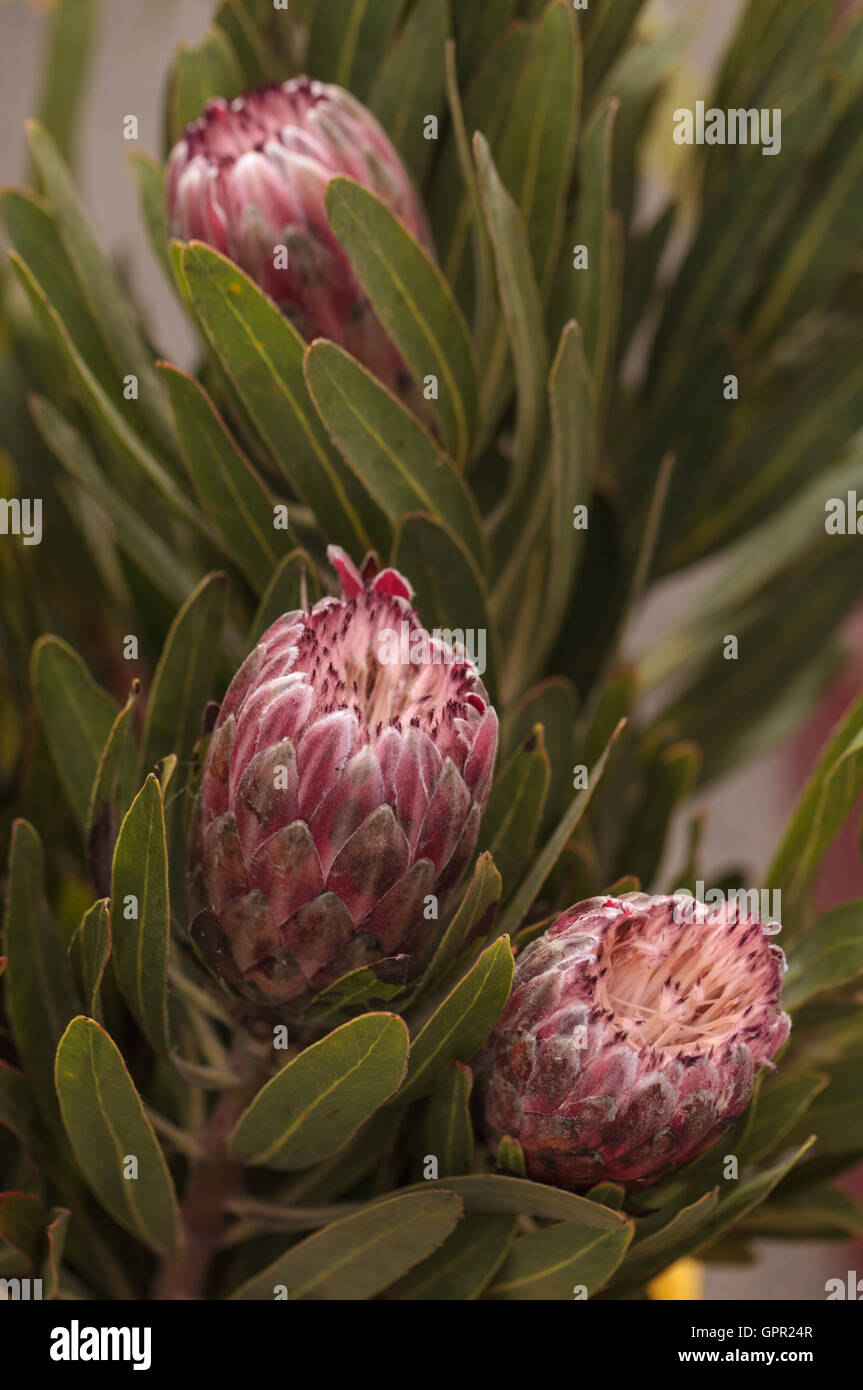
340, 790
631, 1037
249, 178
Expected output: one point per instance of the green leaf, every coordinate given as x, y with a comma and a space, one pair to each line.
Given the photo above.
448, 588
573, 407
409, 84
608, 34
464, 1265
365, 988
140, 913
150, 182
106, 1125
210, 70
162, 566
594, 289
522, 306
553, 704
40, 994
462, 1022
823, 806
317, 1102
32, 229
654, 1252
348, 39
358, 1256
414, 303
550, 1264
514, 812
76, 715
183, 682
830, 955
89, 951
16, 1112
836, 1114
294, 585
448, 1131
781, 1103
262, 356
229, 488
113, 787
69, 52
22, 1222
520, 1196
542, 866
100, 284
537, 149
237, 22
472, 921
819, 1212
400, 463
109, 416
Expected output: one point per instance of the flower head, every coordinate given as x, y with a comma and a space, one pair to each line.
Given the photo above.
340, 789
249, 178
631, 1037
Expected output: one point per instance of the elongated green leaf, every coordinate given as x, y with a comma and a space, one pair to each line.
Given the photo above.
368, 987
553, 704
492, 1192
294, 584
817, 1212
448, 1130
165, 569
537, 149
107, 1128
400, 463
472, 921
89, 951
229, 487
830, 955
546, 860
448, 589
781, 1103
553, 1263
68, 58
522, 306
607, 35
110, 416
235, 20
658, 1248
99, 283
32, 229
140, 912
262, 356
113, 786
318, 1101
40, 994
210, 70
184, 676
836, 1115
16, 1110
462, 1022
409, 84
348, 39
357, 1257
415, 305
593, 285
150, 182
826, 802
76, 716
464, 1265
514, 811
573, 406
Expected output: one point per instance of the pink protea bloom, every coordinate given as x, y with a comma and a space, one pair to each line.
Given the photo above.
631, 1037
340, 789
250, 176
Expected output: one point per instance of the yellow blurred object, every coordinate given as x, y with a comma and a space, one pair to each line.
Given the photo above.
682, 1281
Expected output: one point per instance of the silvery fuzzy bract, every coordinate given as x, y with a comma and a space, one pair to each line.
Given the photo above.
632, 1036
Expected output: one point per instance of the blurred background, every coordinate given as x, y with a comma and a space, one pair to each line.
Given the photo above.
137, 41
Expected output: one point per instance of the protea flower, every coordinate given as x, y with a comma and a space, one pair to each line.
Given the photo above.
631, 1037
340, 789
249, 177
